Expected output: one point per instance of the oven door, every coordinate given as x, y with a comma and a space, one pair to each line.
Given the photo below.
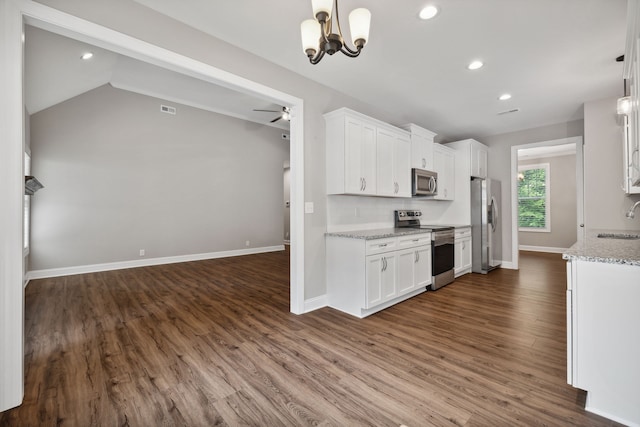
443, 253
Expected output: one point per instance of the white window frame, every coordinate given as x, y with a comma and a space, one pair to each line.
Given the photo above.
547, 204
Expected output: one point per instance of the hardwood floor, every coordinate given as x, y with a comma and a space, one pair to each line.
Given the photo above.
212, 343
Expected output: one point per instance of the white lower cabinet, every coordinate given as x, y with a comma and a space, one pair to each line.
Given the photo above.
462, 251
381, 281
603, 348
366, 276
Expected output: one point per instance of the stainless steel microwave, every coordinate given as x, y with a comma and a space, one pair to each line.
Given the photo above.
423, 183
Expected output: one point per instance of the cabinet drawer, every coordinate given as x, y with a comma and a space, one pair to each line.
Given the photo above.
463, 232
379, 246
414, 240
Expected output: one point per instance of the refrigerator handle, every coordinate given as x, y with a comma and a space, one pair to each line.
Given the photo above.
494, 215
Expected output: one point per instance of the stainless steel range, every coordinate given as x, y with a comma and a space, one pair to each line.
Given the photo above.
442, 246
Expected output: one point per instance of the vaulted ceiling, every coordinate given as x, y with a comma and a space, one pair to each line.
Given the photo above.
552, 56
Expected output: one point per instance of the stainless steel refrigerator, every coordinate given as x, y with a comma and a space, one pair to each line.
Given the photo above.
486, 225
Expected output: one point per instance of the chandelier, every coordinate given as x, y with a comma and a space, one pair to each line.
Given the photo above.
319, 39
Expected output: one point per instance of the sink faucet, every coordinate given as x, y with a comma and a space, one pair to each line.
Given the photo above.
631, 214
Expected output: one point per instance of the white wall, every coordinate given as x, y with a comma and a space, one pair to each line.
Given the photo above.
286, 209
563, 219
121, 176
605, 204
500, 164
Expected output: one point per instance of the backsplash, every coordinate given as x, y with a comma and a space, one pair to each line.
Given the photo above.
346, 213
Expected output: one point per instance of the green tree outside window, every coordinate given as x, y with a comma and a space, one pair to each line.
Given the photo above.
533, 197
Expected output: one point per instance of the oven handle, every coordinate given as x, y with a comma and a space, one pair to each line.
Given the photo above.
442, 242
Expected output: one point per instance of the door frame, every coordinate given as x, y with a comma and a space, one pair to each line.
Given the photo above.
579, 142
14, 14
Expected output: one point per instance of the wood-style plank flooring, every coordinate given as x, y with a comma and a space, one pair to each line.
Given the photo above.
212, 343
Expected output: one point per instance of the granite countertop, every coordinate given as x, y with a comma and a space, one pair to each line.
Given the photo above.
381, 233
611, 251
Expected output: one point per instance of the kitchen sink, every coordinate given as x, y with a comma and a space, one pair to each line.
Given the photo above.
620, 236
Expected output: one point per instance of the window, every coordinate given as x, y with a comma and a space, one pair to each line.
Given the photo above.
533, 198
26, 212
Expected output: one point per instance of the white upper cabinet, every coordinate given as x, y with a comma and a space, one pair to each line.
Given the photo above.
475, 157
421, 146
445, 165
479, 156
366, 157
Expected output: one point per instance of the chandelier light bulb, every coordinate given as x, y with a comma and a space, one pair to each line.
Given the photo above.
359, 23
310, 32
320, 6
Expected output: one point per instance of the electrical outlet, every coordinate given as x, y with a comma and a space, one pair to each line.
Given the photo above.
247, 243
141, 252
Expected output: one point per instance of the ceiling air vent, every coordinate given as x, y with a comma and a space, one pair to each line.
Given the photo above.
167, 109
515, 110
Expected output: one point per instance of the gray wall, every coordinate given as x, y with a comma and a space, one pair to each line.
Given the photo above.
562, 172
140, 22
605, 203
500, 164
121, 176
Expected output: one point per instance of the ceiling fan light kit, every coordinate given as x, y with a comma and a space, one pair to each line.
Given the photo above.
319, 39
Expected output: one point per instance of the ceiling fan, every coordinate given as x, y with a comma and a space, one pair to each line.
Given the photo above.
284, 114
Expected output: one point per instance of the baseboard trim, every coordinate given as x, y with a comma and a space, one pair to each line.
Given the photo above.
542, 249
316, 303
94, 268
507, 264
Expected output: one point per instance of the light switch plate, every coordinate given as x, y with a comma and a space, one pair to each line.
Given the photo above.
308, 207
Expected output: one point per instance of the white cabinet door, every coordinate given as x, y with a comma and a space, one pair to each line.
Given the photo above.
381, 281
393, 164
406, 270
389, 276
385, 150
421, 152
402, 166
479, 155
414, 268
423, 266
373, 282
444, 165
360, 157
462, 256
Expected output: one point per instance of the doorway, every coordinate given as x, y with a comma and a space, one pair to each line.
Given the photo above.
542, 152
13, 17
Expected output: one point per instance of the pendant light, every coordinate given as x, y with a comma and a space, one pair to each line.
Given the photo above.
319, 39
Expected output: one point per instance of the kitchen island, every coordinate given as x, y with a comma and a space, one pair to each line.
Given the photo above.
603, 323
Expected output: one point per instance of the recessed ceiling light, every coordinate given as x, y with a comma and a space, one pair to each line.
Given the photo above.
475, 65
87, 55
504, 96
428, 12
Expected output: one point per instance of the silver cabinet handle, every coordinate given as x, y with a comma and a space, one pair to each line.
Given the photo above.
382, 245
382, 264
416, 257
365, 183
424, 163
361, 184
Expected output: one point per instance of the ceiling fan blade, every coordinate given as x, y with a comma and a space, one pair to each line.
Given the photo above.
268, 111
276, 119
